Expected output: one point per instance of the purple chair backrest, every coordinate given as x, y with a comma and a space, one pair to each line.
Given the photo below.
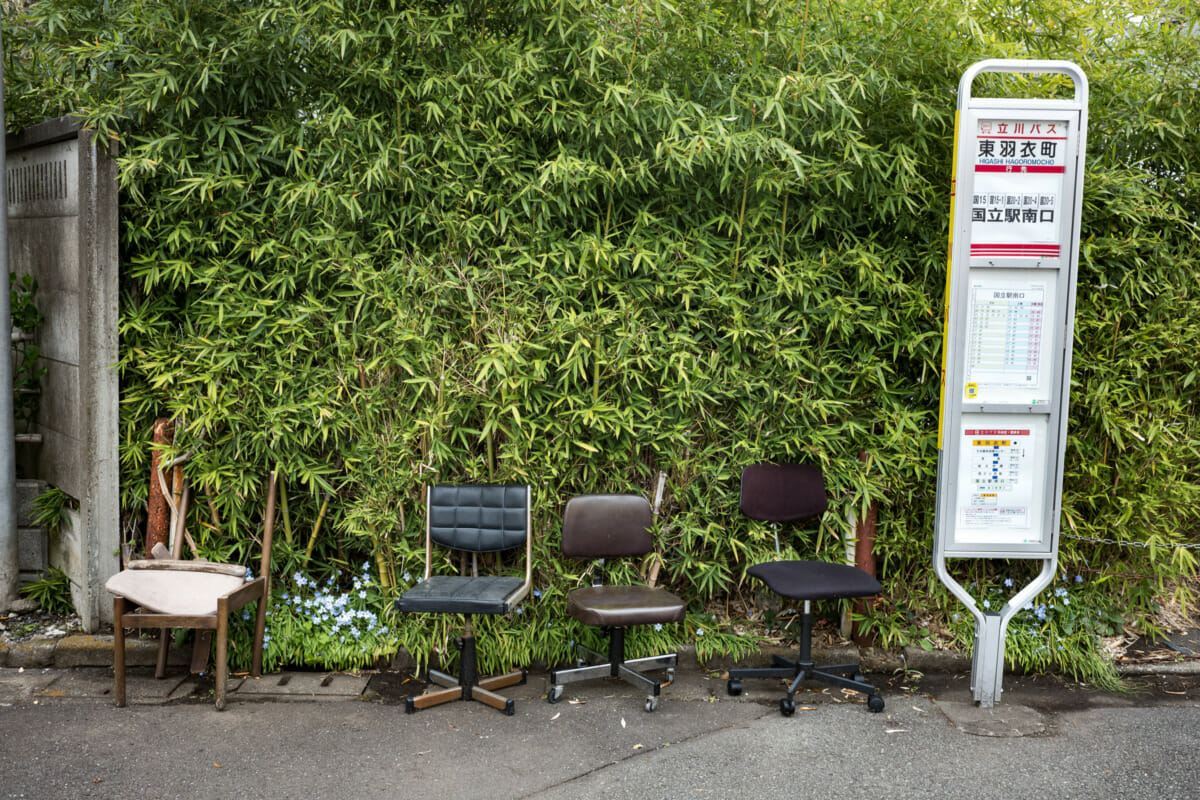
782, 492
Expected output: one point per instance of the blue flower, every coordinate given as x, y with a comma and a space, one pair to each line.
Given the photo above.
699, 631
1079, 579
658, 626
1060, 592
537, 592
987, 603
1008, 582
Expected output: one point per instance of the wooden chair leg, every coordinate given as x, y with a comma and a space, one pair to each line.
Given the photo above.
118, 652
221, 666
260, 628
201, 647
164, 643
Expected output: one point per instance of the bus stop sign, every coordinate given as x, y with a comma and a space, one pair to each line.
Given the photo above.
1006, 350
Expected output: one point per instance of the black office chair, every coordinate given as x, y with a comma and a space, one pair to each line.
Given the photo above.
474, 519
604, 526
779, 493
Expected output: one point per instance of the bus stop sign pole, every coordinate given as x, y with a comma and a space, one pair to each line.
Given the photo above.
1006, 349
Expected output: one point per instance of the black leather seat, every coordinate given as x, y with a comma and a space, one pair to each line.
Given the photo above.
472, 519
604, 526
781, 493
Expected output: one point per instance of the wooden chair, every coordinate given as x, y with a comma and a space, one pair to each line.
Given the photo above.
168, 593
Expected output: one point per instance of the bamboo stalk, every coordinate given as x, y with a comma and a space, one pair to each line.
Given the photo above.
283, 510
312, 540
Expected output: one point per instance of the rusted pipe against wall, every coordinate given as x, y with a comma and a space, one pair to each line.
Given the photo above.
157, 511
864, 554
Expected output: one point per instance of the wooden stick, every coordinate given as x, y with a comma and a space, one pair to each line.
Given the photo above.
656, 564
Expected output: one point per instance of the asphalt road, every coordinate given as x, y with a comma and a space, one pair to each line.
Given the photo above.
598, 742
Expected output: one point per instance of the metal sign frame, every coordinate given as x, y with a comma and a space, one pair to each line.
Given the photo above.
1006, 350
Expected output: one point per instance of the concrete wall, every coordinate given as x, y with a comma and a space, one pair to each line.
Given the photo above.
62, 212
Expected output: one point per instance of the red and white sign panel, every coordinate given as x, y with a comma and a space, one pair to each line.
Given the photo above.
1017, 202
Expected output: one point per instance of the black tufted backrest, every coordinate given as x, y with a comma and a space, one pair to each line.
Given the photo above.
483, 519
782, 492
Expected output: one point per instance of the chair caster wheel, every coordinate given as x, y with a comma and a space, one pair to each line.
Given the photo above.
734, 687
787, 707
555, 694
651, 702
875, 703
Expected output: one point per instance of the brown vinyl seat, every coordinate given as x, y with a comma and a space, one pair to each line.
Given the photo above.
779, 493
602, 526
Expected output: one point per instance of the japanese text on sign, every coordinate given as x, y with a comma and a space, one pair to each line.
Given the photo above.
999, 482
1016, 203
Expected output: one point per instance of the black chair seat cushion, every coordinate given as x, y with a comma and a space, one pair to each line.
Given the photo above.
623, 606
456, 594
815, 580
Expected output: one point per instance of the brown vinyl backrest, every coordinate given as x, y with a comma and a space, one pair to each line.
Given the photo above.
782, 492
607, 526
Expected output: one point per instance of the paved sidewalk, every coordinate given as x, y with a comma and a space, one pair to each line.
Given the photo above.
348, 736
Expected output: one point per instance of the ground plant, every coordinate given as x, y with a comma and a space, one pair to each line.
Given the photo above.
581, 244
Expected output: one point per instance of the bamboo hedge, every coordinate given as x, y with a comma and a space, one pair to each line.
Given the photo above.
579, 244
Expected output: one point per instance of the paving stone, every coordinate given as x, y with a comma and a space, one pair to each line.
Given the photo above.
19, 685
1001, 720
97, 684
303, 686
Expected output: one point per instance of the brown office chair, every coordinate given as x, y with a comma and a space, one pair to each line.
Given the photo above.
610, 526
168, 593
780, 493
471, 519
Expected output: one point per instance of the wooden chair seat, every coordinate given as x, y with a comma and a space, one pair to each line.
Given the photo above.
171, 591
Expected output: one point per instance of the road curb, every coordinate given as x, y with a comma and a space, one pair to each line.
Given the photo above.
83, 650
96, 650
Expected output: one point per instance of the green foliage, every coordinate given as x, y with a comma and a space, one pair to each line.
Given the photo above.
1061, 628
577, 244
51, 591
50, 510
337, 624
27, 372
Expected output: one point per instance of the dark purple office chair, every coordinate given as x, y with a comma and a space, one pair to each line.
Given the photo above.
779, 493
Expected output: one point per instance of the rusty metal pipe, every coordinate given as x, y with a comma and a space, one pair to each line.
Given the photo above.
157, 511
